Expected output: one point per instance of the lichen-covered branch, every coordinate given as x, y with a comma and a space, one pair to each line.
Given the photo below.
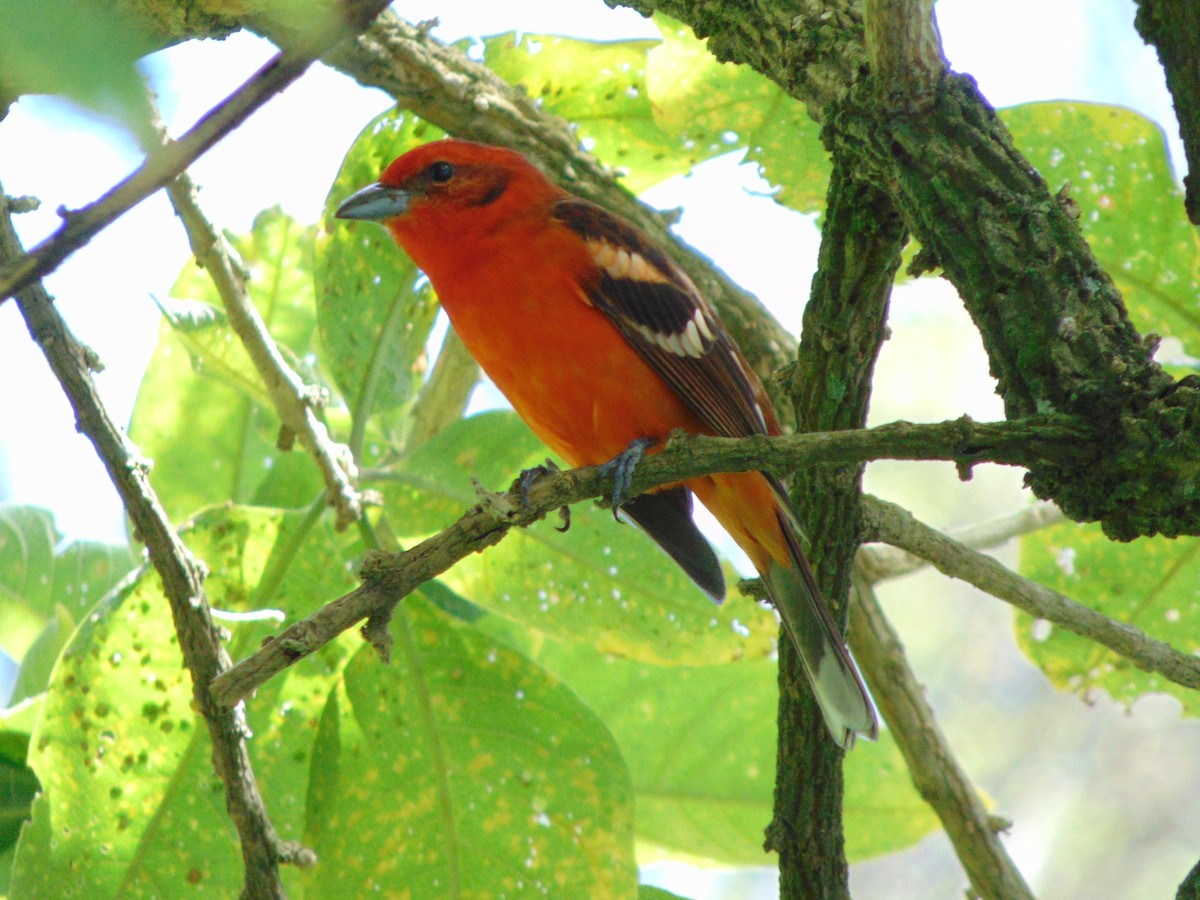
844, 328
1174, 30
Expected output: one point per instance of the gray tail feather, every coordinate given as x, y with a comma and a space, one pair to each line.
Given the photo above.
835, 679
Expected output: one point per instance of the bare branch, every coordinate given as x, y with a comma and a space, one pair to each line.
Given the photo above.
938, 778
889, 523
444, 396
880, 563
294, 400
80, 226
182, 577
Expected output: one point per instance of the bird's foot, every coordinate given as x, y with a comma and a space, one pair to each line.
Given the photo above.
526, 481
622, 466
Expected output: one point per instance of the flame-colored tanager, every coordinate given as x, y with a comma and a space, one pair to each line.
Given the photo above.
601, 343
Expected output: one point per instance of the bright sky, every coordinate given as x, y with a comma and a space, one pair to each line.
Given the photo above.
1018, 50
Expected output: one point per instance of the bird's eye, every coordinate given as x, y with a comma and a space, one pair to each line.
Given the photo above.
441, 172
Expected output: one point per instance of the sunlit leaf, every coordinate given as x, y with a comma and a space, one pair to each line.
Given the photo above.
600, 87
202, 414
462, 769
701, 743
131, 804
278, 258
1150, 583
1131, 209
713, 108
36, 576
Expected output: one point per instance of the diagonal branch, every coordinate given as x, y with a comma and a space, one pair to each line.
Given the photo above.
889, 523
80, 226
939, 779
182, 576
879, 563
294, 401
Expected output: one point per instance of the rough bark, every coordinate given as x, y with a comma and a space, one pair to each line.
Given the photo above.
1174, 30
844, 327
1053, 323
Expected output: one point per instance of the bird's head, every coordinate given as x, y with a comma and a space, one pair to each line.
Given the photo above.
449, 187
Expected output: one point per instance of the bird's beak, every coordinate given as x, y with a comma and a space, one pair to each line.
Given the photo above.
374, 203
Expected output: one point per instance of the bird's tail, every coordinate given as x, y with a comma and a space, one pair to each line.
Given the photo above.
831, 670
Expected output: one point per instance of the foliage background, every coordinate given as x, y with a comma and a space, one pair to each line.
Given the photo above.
1045, 758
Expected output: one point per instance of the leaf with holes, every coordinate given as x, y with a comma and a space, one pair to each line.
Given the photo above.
1150, 583
494, 778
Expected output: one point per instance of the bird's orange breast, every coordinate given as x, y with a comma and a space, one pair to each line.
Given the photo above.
562, 364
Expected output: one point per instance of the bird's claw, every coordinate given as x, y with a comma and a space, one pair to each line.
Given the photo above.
622, 467
525, 482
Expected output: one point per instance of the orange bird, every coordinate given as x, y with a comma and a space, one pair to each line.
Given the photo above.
604, 347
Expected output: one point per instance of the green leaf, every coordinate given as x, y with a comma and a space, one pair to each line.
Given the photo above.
1150, 583
600, 582
278, 257
600, 87
131, 804
39, 659
701, 743
656, 109
650, 892
375, 310
497, 780
1131, 209
116, 726
713, 108
83, 50
202, 414
18, 786
36, 577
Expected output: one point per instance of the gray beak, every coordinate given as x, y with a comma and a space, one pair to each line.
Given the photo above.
374, 203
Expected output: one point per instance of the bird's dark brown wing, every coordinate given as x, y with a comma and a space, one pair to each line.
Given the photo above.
659, 311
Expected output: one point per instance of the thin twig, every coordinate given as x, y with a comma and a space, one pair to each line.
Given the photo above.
880, 563
80, 226
182, 577
294, 400
938, 778
891, 524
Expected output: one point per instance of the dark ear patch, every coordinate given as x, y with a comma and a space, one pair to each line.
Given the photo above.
493, 192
